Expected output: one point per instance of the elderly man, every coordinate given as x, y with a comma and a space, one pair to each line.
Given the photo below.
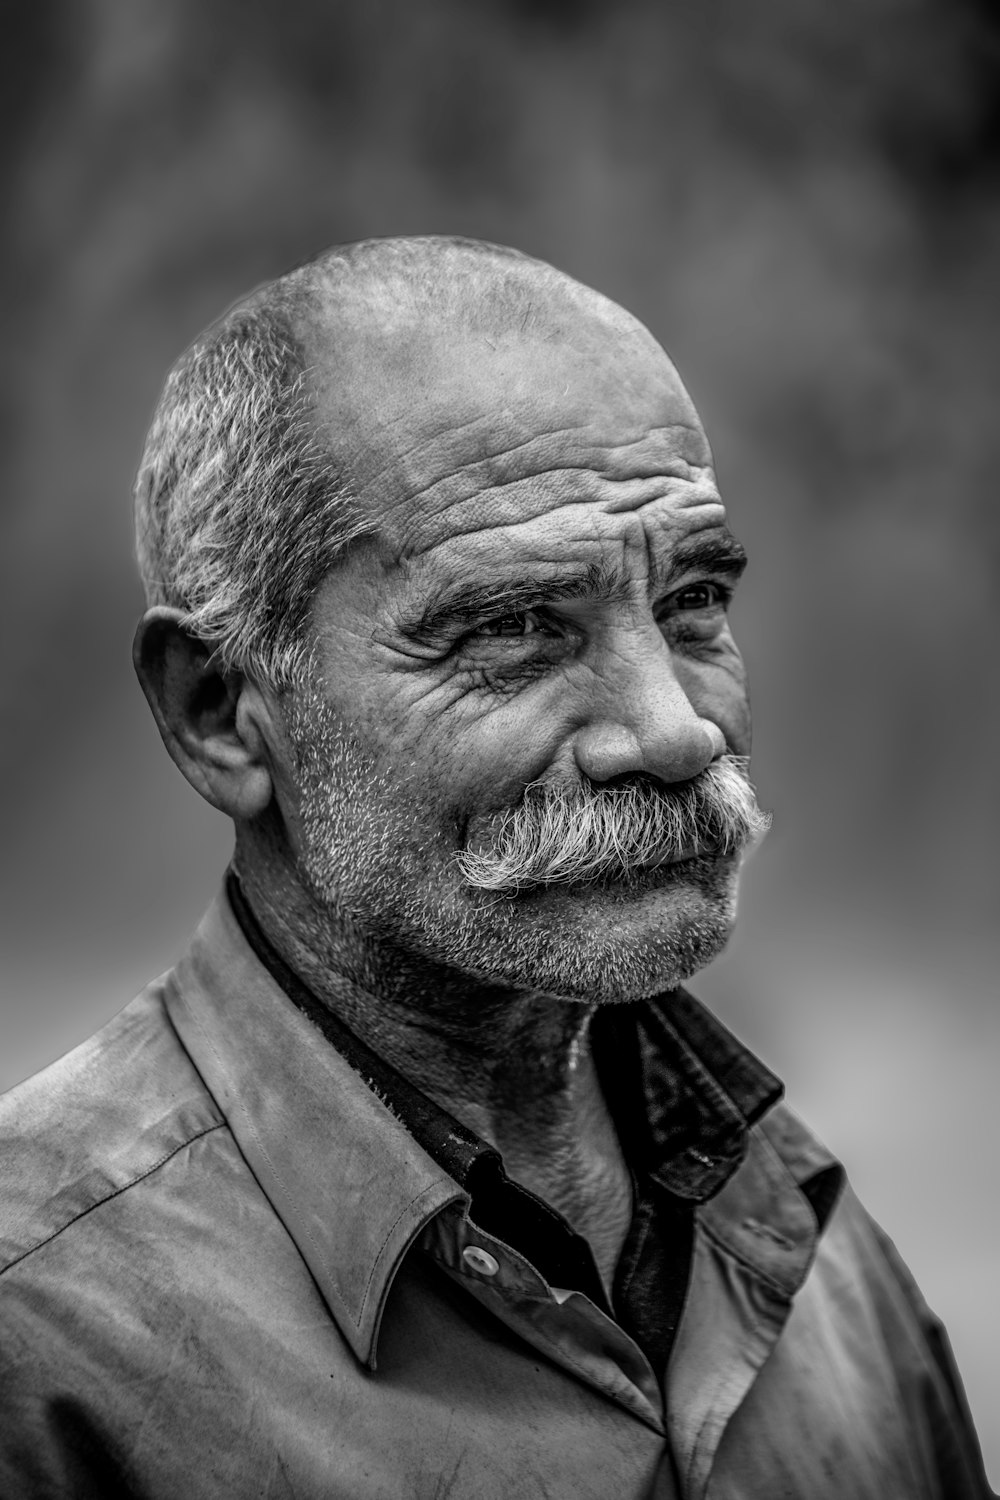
422, 1175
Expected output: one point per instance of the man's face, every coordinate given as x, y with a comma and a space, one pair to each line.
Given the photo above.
545, 604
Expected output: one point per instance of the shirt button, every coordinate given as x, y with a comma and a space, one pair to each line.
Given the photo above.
480, 1260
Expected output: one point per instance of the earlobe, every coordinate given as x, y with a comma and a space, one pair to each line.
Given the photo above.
204, 715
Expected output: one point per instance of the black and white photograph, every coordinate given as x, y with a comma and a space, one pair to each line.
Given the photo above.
499, 828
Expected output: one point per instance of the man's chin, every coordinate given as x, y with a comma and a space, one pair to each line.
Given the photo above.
620, 940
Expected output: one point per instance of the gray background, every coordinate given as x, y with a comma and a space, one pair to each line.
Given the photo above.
802, 201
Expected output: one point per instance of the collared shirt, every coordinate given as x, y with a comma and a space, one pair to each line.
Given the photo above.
228, 1268
683, 1093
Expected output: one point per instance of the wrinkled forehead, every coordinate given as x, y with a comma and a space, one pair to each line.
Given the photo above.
445, 431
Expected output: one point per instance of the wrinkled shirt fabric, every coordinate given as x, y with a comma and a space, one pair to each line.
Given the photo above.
227, 1268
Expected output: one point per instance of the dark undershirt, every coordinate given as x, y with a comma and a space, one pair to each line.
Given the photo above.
682, 1093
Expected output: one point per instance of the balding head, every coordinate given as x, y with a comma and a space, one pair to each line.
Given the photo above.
394, 287
402, 337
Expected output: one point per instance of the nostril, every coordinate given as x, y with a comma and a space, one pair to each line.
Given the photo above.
605, 750
668, 750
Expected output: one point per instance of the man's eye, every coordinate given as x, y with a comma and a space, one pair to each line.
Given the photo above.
518, 622
700, 596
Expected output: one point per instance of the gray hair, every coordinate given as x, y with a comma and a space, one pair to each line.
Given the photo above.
240, 509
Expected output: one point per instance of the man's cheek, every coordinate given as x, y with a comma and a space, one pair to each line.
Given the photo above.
454, 803
734, 721
719, 691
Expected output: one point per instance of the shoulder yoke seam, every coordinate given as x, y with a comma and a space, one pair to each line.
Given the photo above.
109, 1197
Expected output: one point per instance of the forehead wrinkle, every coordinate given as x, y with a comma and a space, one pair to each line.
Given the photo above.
475, 524
599, 451
701, 494
501, 467
524, 501
694, 519
403, 460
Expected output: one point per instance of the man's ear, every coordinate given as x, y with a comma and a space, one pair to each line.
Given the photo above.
210, 719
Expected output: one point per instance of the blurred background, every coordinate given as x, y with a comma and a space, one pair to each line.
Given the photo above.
803, 202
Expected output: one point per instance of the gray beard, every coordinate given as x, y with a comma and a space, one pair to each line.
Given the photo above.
394, 903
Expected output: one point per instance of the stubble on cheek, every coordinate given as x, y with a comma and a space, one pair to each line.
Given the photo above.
381, 854
369, 843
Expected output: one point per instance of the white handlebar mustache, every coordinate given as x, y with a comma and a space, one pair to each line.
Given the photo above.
558, 836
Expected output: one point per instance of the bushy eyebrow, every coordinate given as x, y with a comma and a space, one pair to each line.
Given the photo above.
717, 551
463, 603
457, 605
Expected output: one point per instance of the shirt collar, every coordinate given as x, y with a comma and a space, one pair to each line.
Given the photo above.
351, 1185
683, 1090
452, 1145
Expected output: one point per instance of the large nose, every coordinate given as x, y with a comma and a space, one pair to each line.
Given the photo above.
641, 720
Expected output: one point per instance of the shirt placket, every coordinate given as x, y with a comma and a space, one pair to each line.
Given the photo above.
559, 1322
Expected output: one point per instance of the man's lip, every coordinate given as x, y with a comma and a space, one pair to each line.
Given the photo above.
638, 873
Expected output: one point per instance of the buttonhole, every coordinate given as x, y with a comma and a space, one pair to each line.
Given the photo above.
765, 1232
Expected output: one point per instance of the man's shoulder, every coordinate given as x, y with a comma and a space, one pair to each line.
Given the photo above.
93, 1124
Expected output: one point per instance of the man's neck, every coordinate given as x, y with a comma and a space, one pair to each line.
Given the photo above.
514, 1067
